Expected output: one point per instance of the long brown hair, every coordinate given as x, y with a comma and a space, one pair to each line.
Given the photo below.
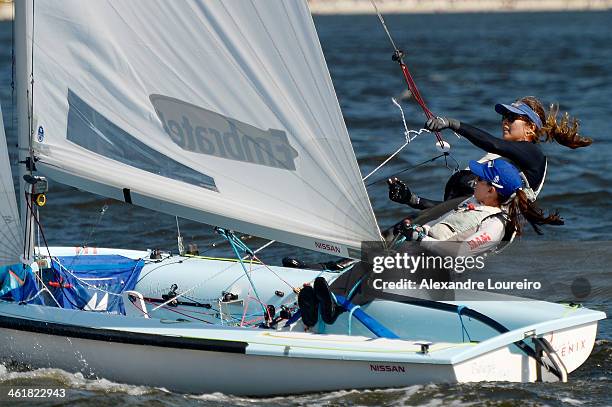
521, 208
564, 132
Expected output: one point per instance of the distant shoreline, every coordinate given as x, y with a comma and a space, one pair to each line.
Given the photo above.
6, 10
453, 6
424, 6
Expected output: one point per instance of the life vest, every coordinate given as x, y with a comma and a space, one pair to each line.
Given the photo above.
463, 221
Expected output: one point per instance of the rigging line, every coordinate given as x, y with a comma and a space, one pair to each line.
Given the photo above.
382, 21
27, 227
178, 229
186, 315
398, 56
273, 272
179, 239
407, 169
260, 249
28, 222
246, 307
91, 231
48, 251
156, 268
248, 298
386, 161
408, 140
396, 103
231, 238
93, 287
456, 162
35, 218
192, 288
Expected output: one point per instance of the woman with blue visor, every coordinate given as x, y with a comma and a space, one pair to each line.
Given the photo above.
524, 125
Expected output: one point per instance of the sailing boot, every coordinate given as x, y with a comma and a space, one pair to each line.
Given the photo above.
327, 303
309, 306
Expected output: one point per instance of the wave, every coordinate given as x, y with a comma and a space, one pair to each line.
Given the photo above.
61, 378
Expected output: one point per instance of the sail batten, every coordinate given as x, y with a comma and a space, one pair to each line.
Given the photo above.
223, 109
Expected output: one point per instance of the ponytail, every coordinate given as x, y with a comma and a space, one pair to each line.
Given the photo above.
521, 208
564, 132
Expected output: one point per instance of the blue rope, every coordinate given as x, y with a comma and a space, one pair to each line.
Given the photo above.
373, 325
350, 318
294, 318
236, 243
350, 294
321, 328
460, 309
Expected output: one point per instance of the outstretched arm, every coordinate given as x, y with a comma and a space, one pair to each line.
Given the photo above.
481, 139
425, 203
516, 152
400, 193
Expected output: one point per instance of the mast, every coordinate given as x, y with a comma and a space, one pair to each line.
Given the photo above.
23, 75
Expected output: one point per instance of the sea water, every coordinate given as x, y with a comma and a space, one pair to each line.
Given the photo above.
463, 65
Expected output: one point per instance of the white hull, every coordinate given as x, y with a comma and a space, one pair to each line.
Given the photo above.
192, 371
300, 363
194, 357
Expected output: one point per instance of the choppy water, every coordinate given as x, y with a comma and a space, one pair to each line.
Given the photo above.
463, 64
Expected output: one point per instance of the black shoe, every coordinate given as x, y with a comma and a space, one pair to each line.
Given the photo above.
309, 306
327, 304
293, 263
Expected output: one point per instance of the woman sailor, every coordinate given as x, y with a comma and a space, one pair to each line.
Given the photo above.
524, 126
489, 216
476, 226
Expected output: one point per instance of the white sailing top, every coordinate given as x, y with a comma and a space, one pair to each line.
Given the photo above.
475, 229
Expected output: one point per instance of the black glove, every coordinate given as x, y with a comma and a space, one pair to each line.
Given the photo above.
412, 232
400, 193
441, 123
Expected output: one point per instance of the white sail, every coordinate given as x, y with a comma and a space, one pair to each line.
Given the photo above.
11, 241
218, 111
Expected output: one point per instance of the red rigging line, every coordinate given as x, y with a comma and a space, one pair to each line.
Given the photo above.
399, 57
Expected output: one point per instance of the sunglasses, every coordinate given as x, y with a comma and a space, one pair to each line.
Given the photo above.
472, 183
512, 117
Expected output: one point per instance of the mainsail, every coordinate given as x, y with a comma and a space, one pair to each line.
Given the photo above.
218, 111
11, 241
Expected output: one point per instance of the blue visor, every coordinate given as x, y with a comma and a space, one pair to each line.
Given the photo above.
520, 108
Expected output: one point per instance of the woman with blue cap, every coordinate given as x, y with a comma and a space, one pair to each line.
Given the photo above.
524, 126
492, 214
477, 226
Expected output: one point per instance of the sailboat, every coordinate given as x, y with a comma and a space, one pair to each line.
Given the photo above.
224, 113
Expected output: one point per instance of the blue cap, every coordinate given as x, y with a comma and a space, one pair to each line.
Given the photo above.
522, 109
500, 173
